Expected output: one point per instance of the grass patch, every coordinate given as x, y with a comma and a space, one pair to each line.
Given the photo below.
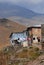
8, 53
31, 53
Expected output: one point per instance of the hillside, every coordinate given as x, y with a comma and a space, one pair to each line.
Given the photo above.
6, 28
28, 22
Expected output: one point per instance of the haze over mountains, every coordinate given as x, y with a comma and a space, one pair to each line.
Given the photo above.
20, 14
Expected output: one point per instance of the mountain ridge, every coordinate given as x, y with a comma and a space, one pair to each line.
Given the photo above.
8, 10
20, 14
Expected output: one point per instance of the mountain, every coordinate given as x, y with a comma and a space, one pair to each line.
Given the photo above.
20, 14
14, 10
6, 28
9, 10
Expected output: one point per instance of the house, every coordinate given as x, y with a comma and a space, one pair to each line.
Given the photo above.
19, 38
35, 33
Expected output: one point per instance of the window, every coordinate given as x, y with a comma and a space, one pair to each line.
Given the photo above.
13, 41
34, 38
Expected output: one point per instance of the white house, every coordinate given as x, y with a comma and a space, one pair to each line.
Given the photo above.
19, 38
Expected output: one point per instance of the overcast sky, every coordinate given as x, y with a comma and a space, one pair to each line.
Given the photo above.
35, 5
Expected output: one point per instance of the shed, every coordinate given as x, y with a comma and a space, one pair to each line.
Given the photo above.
19, 38
35, 33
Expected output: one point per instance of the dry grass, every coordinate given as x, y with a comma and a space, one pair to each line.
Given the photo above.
6, 55
31, 53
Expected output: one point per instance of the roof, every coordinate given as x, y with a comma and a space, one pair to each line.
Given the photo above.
16, 33
34, 26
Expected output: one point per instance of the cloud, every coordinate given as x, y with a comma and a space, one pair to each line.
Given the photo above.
35, 1
21, 1
13, 1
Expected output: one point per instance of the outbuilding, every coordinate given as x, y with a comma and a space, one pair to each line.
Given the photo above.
20, 38
35, 33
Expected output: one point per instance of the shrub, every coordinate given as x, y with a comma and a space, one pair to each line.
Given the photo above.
36, 49
30, 47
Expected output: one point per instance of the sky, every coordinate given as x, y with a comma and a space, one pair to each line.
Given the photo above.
35, 5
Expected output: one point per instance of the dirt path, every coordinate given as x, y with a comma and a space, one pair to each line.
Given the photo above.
38, 61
